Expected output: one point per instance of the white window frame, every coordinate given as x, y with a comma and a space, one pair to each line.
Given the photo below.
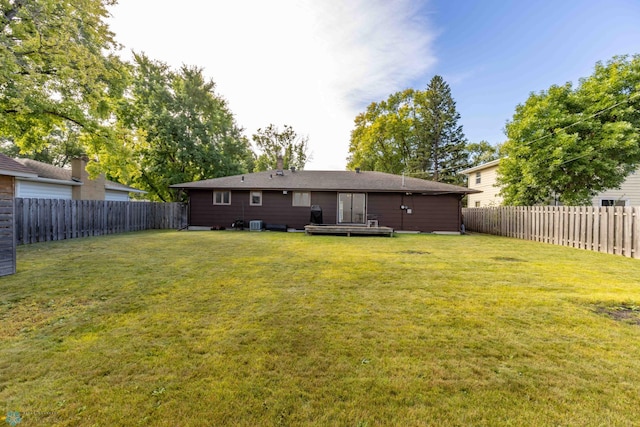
616, 202
257, 194
302, 202
478, 177
222, 193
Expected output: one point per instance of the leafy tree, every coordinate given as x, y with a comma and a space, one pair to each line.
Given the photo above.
58, 148
384, 137
482, 152
173, 128
271, 142
54, 74
571, 143
415, 132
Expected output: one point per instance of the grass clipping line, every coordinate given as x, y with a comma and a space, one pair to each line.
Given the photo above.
218, 328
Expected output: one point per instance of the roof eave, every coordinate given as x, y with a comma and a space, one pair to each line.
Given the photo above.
52, 181
17, 174
481, 167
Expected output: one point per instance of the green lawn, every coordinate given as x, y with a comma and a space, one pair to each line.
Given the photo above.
252, 329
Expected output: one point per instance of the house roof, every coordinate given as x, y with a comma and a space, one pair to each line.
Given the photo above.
47, 171
10, 167
327, 181
115, 186
481, 167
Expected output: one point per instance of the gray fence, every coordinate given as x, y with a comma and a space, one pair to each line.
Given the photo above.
7, 239
42, 220
613, 230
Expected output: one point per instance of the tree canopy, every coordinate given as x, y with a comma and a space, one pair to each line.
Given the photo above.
568, 144
56, 72
272, 142
482, 152
173, 128
414, 132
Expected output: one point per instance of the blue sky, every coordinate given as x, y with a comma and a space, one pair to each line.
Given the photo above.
495, 53
316, 64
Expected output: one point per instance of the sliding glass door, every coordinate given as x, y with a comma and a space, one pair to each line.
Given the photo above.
352, 208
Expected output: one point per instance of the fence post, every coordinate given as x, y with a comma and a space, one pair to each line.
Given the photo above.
635, 246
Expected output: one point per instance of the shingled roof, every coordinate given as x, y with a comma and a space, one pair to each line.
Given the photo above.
10, 167
47, 171
365, 181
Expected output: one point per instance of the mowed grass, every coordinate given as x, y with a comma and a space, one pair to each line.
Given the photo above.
253, 329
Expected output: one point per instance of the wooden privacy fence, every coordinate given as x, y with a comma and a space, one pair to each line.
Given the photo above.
7, 238
41, 220
613, 230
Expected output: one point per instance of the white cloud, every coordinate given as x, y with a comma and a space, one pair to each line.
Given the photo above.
310, 64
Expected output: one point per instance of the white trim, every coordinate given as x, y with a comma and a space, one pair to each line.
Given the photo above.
293, 198
251, 194
480, 167
601, 199
222, 203
17, 174
53, 181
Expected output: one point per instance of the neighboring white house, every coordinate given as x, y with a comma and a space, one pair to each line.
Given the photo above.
52, 182
484, 178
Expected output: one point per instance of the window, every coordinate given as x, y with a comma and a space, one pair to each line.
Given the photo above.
478, 177
255, 198
301, 198
477, 203
610, 202
222, 197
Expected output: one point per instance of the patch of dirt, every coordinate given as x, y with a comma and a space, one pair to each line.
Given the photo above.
507, 259
412, 252
626, 313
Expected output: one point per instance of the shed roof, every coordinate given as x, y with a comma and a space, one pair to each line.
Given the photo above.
367, 181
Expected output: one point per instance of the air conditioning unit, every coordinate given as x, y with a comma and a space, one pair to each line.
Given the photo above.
255, 225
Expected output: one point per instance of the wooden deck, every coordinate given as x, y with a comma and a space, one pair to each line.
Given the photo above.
348, 230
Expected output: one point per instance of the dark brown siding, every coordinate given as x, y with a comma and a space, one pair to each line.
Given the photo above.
429, 213
7, 225
277, 208
385, 207
432, 213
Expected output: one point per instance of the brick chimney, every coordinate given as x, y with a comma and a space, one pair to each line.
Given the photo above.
279, 165
91, 189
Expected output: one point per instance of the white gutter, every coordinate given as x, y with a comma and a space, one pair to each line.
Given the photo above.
52, 181
17, 174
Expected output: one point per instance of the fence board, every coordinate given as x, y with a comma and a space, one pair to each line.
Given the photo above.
635, 240
40, 220
613, 230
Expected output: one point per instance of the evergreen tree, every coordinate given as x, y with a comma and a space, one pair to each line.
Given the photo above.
413, 132
441, 151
